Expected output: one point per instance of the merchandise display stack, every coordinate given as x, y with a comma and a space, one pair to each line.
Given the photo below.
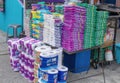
52, 30
28, 15
22, 56
14, 52
48, 64
75, 30
74, 24
27, 57
59, 9
48, 69
37, 21
37, 62
101, 26
26, 60
90, 27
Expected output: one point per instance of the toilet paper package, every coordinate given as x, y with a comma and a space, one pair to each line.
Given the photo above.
42, 49
25, 42
52, 76
15, 45
33, 44
49, 76
27, 66
10, 41
22, 55
30, 52
48, 59
38, 51
22, 40
52, 30
74, 26
26, 72
34, 55
31, 74
59, 52
14, 52
62, 74
31, 62
15, 64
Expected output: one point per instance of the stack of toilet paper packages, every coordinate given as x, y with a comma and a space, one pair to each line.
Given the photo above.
27, 26
46, 63
37, 21
52, 30
89, 32
59, 9
27, 56
22, 55
74, 25
101, 26
14, 52
36, 29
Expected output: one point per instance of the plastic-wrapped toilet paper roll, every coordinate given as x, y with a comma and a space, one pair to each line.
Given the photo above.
45, 60
16, 65
23, 57
52, 53
14, 53
30, 43
27, 41
10, 41
33, 44
15, 45
26, 71
43, 75
22, 40
42, 49
26, 59
38, 51
54, 58
22, 70
52, 76
29, 51
60, 56
31, 74
31, 61
62, 74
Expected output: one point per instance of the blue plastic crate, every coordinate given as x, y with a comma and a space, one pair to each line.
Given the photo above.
79, 62
117, 53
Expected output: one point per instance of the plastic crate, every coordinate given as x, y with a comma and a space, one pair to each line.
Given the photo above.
78, 62
117, 53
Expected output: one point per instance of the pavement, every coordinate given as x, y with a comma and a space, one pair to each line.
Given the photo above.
7, 75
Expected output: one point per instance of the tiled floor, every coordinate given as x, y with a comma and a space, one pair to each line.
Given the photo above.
112, 72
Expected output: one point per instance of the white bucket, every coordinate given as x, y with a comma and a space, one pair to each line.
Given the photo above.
108, 55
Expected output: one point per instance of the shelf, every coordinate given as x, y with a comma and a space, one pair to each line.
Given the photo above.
106, 44
81, 50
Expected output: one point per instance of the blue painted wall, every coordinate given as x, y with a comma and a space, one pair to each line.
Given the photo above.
12, 15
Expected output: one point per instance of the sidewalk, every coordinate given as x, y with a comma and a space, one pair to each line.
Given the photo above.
112, 72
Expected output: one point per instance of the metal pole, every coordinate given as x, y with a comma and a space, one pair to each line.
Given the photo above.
115, 33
